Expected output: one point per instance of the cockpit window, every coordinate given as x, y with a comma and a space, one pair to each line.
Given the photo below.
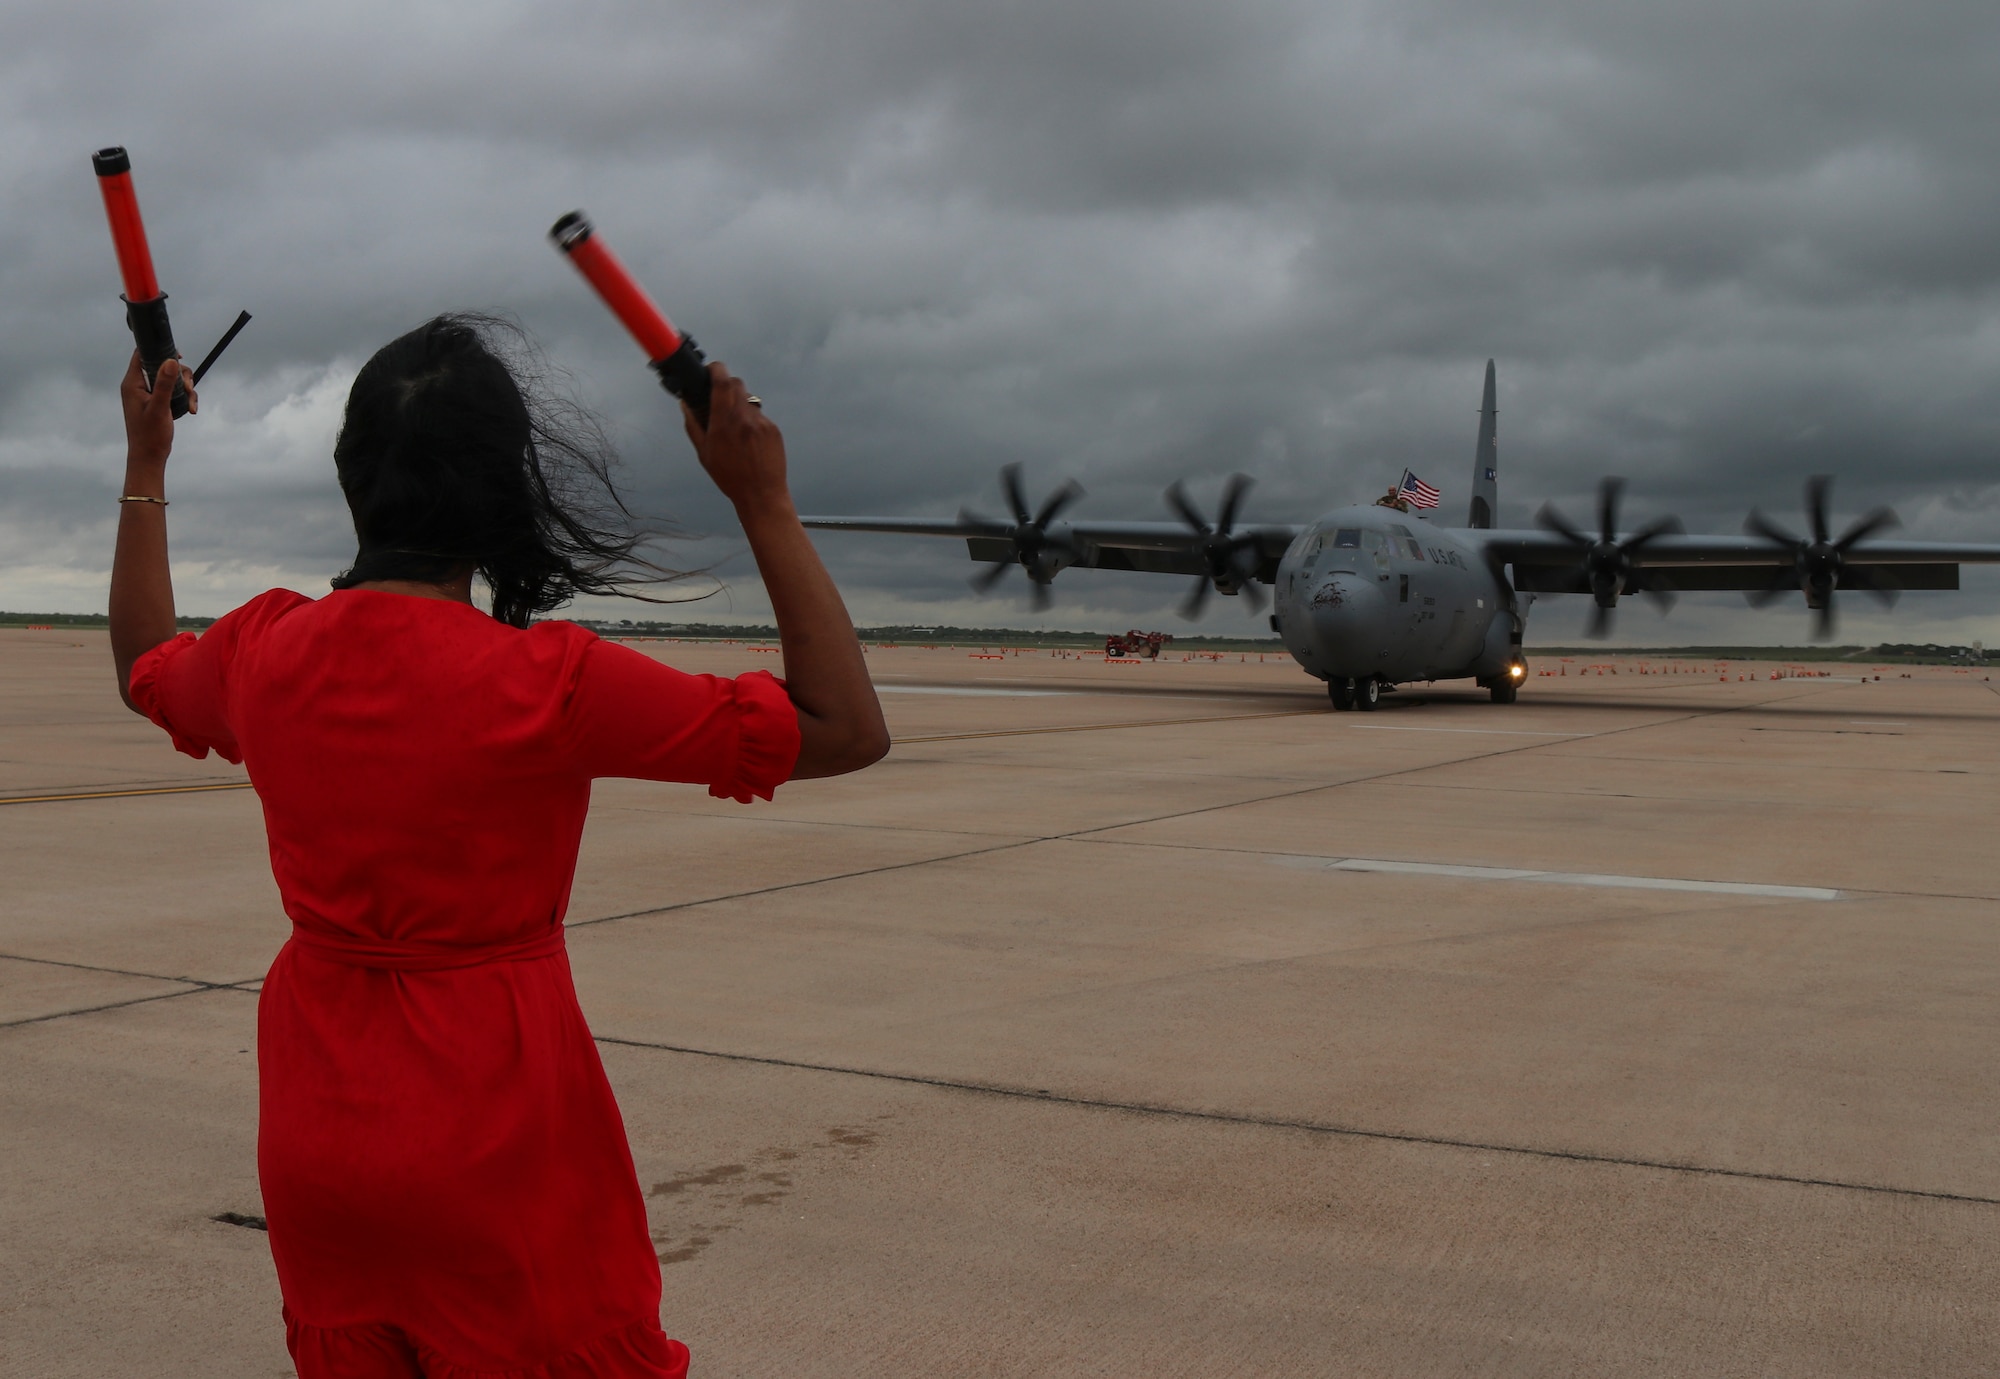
1348, 537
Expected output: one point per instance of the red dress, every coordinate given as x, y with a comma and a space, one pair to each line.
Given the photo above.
445, 1173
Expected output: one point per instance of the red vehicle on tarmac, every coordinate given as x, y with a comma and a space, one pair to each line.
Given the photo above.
1136, 643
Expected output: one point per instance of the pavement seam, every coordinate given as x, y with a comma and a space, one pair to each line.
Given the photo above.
124, 794
114, 971
798, 885
1428, 766
195, 989
1080, 834
1095, 689
1163, 1111
1102, 727
1087, 833
769, 820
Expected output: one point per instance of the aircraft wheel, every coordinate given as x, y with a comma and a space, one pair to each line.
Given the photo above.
1341, 692
1367, 694
1504, 693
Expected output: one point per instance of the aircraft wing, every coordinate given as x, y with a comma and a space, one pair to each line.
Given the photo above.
1168, 548
1546, 563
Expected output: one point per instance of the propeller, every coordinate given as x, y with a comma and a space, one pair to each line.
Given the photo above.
1037, 550
1232, 557
1819, 565
1604, 564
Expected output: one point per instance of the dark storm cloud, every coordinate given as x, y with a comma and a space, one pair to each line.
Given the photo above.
1715, 248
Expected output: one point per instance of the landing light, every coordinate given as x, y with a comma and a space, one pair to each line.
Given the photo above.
1518, 671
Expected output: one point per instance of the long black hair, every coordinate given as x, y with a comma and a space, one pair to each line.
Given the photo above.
454, 453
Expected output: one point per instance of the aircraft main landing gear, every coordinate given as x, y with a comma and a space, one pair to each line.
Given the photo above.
1363, 693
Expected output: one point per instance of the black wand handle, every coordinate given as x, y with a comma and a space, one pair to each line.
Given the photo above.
684, 373
154, 336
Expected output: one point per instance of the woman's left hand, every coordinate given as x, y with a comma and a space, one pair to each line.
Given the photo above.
149, 413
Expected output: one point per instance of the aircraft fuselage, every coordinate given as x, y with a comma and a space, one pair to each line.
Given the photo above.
1372, 592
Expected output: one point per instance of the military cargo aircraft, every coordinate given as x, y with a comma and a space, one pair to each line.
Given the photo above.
1371, 597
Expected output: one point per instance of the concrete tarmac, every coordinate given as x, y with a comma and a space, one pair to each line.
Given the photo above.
1132, 1020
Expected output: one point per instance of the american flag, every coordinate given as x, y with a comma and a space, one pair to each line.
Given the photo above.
1420, 494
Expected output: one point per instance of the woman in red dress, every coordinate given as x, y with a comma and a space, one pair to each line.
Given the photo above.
444, 1170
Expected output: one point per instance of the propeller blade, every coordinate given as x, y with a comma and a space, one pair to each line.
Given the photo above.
1818, 489
1600, 622
1178, 500
992, 575
1549, 519
1876, 581
1253, 593
968, 518
1057, 501
1039, 596
1232, 498
1197, 599
1865, 527
1757, 524
1783, 583
1010, 484
1823, 620
1659, 526
1609, 490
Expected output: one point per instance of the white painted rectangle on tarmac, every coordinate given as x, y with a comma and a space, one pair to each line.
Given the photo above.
1572, 878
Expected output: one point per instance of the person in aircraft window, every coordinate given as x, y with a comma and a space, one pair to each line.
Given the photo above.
445, 1173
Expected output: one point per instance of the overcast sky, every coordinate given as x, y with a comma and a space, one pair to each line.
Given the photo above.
1715, 247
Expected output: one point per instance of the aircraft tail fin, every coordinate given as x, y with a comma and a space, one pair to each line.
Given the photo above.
1486, 461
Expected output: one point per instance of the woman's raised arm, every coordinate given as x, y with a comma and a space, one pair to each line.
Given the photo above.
840, 720
142, 587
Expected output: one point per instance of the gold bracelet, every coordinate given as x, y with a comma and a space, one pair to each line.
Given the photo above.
142, 498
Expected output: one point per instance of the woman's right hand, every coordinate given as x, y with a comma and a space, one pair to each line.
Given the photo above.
741, 448
840, 721
149, 412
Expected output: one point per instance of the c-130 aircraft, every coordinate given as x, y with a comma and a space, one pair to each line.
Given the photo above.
1371, 597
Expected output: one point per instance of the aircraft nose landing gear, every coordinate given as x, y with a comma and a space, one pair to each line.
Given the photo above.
1507, 687
1364, 693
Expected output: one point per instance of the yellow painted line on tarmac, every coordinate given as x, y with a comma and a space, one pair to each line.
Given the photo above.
122, 794
1103, 727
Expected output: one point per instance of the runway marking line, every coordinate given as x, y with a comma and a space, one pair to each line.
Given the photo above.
1561, 878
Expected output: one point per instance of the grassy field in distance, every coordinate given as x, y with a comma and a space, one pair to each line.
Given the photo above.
1894, 652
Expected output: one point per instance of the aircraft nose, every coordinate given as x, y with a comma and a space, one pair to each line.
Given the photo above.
1342, 598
